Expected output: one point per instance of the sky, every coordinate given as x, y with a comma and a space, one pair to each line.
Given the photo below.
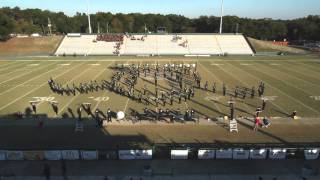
276, 9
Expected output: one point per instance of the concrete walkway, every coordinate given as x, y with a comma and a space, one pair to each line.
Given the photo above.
165, 169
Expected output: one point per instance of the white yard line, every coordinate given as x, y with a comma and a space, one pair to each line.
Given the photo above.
15, 77
283, 110
204, 59
305, 74
219, 80
43, 84
187, 107
205, 68
36, 77
74, 97
239, 80
105, 93
308, 107
11, 72
290, 75
215, 104
74, 78
308, 67
125, 108
11, 66
290, 84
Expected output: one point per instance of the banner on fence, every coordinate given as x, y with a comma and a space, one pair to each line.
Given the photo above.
277, 153
70, 154
179, 154
240, 154
224, 154
206, 154
52, 155
14, 155
258, 153
3, 155
311, 154
105, 155
135, 154
33, 155
89, 155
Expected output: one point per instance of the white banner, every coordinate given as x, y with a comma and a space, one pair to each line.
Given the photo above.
52, 155
240, 154
277, 153
14, 155
224, 154
70, 155
258, 154
206, 154
135, 154
311, 154
179, 154
89, 155
33, 155
3, 155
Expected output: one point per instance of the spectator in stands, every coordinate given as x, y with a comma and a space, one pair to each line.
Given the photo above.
111, 37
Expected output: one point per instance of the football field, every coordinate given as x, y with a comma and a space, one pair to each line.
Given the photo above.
291, 84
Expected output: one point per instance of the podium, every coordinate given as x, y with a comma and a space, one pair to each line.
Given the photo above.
233, 125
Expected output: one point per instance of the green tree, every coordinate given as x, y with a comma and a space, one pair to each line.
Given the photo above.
6, 26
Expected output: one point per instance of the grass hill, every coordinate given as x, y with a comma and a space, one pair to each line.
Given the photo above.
266, 46
30, 45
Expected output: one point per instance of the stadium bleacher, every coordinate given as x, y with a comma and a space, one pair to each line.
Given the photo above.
155, 44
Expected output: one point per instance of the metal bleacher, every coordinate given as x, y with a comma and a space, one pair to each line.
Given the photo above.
158, 44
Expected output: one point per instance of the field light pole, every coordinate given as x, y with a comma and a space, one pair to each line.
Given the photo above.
231, 105
89, 21
221, 19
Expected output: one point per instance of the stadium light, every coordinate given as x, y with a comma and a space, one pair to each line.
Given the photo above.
221, 20
89, 21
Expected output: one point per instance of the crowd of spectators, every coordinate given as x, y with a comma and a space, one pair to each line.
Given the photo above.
111, 37
134, 38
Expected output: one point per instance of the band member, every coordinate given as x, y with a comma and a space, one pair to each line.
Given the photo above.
55, 108
155, 81
79, 113
294, 114
145, 89
206, 86
214, 87
109, 115
252, 92
34, 107
263, 104
224, 89
258, 111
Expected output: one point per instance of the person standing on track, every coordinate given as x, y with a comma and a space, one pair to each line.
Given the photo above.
109, 115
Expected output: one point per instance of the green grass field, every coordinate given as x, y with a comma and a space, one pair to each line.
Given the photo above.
293, 83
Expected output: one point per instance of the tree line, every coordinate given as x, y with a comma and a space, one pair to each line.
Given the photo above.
28, 21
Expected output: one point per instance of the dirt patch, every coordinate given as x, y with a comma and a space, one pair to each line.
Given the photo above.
265, 46
30, 45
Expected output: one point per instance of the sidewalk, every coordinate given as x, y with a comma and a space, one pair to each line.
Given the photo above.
164, 169
214, 122
195, 177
